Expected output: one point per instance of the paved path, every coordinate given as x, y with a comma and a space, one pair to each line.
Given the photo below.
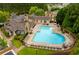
7, 39
9, 43
5, 50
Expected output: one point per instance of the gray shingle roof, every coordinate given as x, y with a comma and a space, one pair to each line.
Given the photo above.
16, 23
39, 17
19, 18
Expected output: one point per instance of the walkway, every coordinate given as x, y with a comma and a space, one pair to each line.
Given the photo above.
5, 50
8, 43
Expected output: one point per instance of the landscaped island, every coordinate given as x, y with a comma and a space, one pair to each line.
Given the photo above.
39, 29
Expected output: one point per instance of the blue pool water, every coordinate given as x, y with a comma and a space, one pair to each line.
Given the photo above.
46, 35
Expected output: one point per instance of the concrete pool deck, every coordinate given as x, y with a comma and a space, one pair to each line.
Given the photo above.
56, 29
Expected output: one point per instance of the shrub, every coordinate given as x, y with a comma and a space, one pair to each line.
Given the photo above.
3, 43
16, 43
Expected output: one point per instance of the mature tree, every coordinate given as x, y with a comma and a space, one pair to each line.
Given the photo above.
21, 7
76, 26
70, 22
3, 16
60, 16
3, 43
39, 12
33, 9
77, 35
67, 16
66, 22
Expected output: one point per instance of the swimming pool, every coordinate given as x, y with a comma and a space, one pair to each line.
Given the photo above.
46, 35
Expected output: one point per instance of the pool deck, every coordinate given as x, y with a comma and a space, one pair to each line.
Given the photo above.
56, 29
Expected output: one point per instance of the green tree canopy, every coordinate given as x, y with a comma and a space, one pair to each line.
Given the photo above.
66, 22
60, 16
76, 26
3, 43
3, 16
39, 12
21, 7
68, 18
33, 9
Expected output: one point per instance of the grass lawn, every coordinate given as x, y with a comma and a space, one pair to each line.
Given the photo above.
17, 43
33, 51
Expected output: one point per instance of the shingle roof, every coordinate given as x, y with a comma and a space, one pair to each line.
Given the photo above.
39, 17
19, 18
16, 23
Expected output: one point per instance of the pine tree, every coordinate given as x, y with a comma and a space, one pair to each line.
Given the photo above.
76, 26
66, 21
